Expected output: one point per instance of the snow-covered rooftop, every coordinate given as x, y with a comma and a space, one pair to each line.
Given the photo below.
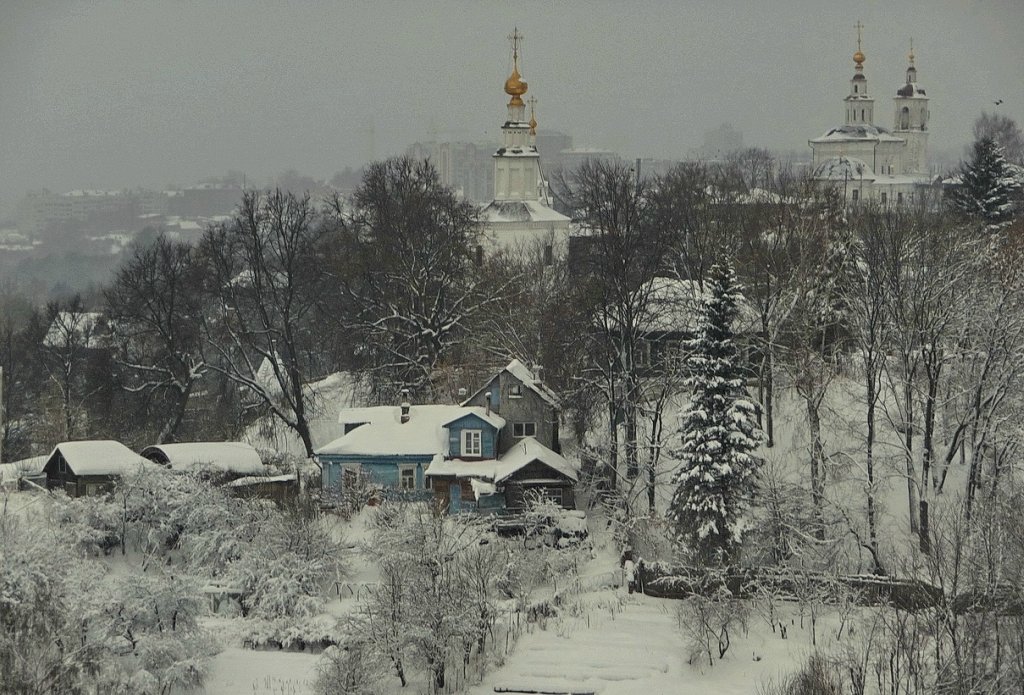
385, 433
524, 374
843, 169
525, 452
228, 457
858, 133
99, 457
504, 211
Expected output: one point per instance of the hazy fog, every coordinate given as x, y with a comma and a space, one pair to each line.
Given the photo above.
114, 94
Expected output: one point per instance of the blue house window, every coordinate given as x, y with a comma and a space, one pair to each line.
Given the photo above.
472, 442
407, 477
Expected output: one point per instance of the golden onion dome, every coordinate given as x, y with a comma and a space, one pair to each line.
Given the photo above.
858, 57
514, 85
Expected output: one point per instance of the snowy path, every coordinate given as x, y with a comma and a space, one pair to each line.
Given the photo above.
638, 652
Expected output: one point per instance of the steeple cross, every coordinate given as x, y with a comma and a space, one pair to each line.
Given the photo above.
911, 55
532, 101
858, 26
516, 38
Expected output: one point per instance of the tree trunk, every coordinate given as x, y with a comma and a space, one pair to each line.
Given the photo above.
908, 450
613, 445
870, 461
927, 460
817, 464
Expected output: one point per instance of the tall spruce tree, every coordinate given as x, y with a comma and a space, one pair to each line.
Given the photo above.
717, 476
989, 184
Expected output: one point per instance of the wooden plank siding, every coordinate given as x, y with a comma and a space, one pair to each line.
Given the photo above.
525, 408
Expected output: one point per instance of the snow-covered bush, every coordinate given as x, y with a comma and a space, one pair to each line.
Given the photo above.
434, 605
67, 627
708, 621
353, 667
284, 570
91, 524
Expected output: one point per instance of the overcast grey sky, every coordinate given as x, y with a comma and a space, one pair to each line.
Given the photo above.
107, 94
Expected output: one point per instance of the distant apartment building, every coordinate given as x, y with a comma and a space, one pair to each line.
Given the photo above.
720, 141
465, 167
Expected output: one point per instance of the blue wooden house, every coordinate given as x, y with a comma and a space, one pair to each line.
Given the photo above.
392, 446
466, 457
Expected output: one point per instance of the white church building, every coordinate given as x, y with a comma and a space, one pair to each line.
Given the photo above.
867, 162
521, 216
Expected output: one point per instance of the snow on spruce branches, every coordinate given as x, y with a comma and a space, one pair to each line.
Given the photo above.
717, 474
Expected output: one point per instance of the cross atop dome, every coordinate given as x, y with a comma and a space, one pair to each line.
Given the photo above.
515, 86
858, 57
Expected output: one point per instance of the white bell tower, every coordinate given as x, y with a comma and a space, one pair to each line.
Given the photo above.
911, 119
860, 108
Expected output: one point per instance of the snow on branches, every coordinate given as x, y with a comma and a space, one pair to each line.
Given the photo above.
716, 477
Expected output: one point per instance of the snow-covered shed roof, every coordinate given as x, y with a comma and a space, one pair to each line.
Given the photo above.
226, 457
99, 457
524, 374
386, 435
260, 479
525, 452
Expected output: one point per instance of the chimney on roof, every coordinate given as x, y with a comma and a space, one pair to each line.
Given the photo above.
487, 401
462, 394
538, 372
405, 406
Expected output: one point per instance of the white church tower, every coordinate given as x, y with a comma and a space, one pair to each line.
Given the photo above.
517, 163
911, 120
860, 108
521, 216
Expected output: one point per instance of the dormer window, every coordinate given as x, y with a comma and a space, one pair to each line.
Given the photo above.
472, 443
515, 391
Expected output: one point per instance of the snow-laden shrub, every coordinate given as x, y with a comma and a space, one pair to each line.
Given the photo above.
352, 668
285, 569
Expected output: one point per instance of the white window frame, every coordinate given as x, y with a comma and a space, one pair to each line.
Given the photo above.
469, 438
519, 429
402, 469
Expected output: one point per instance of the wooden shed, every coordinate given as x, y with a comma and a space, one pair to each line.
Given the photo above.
90, 467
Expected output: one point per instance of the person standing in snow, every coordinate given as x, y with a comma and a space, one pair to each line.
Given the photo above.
629, 572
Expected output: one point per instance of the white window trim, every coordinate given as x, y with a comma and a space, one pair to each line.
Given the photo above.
522, 429
467, 437
402, 468
512, 391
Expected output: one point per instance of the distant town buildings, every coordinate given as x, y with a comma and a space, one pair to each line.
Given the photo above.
43, 212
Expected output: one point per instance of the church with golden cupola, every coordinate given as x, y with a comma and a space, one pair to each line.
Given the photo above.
870, 163
521, 216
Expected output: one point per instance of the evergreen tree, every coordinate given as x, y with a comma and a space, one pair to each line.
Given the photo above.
717, 475
989, 184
